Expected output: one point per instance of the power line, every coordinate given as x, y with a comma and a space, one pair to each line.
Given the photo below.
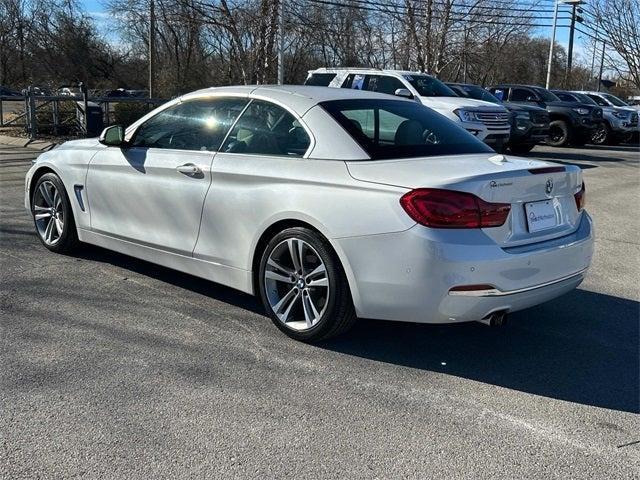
452, 17
470, 8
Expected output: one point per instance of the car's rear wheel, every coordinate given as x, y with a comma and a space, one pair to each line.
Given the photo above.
303, 286
558, 133
52, 214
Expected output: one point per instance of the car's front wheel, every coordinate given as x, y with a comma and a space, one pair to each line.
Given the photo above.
602, 135
52, 214
558, 133
303, 286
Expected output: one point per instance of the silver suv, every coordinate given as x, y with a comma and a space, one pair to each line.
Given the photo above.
620, 121
487, 121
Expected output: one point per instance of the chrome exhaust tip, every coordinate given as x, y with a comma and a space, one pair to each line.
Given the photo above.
495, 319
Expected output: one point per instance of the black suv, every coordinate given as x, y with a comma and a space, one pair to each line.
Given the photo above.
571, 123
529, 124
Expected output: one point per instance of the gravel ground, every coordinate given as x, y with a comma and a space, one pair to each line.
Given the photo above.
117, 368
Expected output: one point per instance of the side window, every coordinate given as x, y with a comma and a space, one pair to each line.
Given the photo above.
363, 121
320, 79
267, 129
501, 94
384, 84
565, 97
598, 100
355, 81
193, 125
521, 94
347, 81
394, 127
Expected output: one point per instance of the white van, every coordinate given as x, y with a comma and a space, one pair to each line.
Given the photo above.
487, 121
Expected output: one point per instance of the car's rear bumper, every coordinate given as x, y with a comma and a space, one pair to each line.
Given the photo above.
409, 276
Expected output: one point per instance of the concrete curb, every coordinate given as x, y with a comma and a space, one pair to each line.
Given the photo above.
42, 145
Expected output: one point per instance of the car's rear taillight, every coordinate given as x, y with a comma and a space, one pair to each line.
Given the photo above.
439, 208
581, 198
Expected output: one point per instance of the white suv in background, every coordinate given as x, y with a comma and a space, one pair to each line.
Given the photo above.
489, 122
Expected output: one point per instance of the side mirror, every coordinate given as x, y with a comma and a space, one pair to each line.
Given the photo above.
403, 92
112, 136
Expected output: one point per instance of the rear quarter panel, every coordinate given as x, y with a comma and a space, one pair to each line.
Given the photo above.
250, 193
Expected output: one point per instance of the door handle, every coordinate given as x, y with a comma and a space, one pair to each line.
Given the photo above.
189, 169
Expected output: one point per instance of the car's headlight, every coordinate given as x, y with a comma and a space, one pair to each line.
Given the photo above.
622, 115
523, 116
465, 115
581, 111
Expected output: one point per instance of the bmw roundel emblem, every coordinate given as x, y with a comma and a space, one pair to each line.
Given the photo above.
548, 188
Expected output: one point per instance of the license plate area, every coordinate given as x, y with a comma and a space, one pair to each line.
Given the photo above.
541, 215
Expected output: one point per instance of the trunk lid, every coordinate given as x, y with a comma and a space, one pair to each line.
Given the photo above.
494, 178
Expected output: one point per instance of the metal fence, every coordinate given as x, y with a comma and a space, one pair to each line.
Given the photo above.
73, 115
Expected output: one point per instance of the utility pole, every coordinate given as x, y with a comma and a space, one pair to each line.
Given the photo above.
152, 47
553, 40
601, 65
595, 50
571, 33
281, 43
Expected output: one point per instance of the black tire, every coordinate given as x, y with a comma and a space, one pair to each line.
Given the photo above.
602, 135
67, 241
559, 134
521, 148
500, 147
338, 313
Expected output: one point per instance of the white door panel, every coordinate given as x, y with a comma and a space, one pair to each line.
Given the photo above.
149, 196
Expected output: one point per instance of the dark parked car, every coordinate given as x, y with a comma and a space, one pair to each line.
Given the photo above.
116, 93
529, 124
571, 123
7, 92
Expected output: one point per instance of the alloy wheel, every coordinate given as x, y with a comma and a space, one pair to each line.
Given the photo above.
599, 136
296, 284
48, 212
557, 135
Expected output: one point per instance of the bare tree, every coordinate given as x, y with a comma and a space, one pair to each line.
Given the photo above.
619, 20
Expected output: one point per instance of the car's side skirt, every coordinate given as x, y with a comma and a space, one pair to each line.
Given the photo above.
216, 272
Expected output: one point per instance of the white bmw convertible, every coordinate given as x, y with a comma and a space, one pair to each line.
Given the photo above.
329, 204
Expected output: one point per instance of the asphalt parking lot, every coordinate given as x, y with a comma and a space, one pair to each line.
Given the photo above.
115, 368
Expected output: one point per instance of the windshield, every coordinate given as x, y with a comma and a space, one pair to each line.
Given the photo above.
546, 95
615, 100
479, 93
401, 129
584, 98
427, 86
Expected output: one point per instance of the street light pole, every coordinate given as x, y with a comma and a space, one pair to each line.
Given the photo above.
281, 43
152, 45
553, 35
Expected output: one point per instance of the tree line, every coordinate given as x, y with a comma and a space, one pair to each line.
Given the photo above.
219, 42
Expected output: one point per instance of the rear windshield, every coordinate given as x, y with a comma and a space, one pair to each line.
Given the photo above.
401, 129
